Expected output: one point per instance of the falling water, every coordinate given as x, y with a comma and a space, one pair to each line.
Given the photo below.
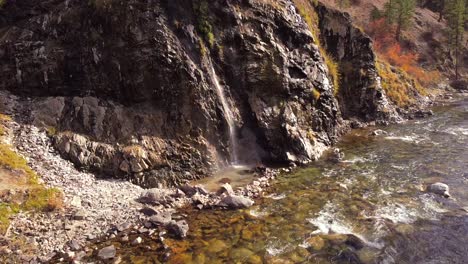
228, 115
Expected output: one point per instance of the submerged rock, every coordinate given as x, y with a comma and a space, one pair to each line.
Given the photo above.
440, 189
316, 243
378, 132
178, 229
336, 155
107, 252
236, 202
192, 190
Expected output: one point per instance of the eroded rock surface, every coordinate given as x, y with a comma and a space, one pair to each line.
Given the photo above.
128, 88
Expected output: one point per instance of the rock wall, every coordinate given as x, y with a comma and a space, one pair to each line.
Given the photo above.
361, 95
127, 85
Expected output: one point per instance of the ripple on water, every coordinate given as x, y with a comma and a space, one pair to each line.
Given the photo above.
329, 221
257, 213
456, 131
410, 139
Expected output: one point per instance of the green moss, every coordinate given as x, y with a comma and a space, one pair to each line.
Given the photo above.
51, 131
203, 22
6, 212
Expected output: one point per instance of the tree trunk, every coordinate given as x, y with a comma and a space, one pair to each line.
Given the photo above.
441, 10
457, 44
398, 29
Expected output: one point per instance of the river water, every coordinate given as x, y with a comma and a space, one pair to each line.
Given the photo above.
371, 208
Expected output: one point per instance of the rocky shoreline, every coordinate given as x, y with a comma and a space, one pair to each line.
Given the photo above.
103, 209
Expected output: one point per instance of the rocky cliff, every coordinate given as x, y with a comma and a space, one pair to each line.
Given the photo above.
127, 89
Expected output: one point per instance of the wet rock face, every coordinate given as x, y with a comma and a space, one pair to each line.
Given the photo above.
131, 83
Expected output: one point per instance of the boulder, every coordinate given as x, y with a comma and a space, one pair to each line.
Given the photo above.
190, 190
178, 228
155, 196
161, 218
440, 189
225, 188
236, 202
336, 155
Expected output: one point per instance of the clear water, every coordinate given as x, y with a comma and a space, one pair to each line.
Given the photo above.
377, 195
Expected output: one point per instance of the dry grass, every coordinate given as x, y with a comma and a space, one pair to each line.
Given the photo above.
134, 151
400, 87
41, 199
316, 94
273, 3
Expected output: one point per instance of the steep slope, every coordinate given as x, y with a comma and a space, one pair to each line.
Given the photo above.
426, 37
129, 85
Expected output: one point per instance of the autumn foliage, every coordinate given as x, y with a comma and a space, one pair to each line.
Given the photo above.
391, 51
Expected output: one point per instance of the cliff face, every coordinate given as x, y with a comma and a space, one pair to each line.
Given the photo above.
130, 85
361, 94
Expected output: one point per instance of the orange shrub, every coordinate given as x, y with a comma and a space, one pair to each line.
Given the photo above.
391, 51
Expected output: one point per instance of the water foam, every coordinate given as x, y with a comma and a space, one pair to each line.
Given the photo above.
276, 196
328, 221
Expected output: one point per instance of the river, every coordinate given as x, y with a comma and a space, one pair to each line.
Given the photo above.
370, 208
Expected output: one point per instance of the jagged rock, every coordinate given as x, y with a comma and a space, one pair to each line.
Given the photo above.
178, 229
107, 253
236, 202
440, 189
423, 113
117, 114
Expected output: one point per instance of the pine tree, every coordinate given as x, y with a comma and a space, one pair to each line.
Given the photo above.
400, 12
457, 16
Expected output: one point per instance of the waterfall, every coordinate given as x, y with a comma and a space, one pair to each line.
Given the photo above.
228, 115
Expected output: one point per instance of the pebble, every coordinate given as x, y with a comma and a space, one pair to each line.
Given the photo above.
137, 241
99, 205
